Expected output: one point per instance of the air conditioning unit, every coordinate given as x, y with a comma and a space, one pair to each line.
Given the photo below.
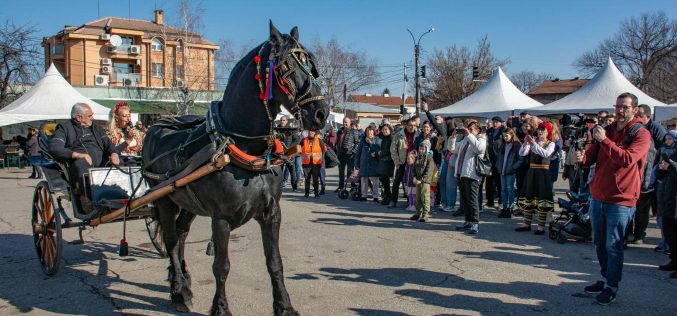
105, 69
106, 61
129, 82
135, 49
180, 83
105, 37
101, 80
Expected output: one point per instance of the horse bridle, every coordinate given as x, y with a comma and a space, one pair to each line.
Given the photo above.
280, 73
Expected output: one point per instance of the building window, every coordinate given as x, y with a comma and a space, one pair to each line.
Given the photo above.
122, 68
157, 70
127, 40
179, 47
179, 71
156, 45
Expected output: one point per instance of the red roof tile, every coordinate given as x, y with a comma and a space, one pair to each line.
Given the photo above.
381, 100
558, 87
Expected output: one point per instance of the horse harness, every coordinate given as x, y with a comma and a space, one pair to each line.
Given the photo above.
221, 138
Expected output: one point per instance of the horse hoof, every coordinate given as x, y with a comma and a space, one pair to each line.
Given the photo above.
180, 304
286, 312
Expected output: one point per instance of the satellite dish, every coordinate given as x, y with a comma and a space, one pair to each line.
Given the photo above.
115, 40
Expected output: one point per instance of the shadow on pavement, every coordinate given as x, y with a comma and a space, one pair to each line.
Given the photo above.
35, 291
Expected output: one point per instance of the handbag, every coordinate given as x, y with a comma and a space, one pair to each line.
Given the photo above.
483, 165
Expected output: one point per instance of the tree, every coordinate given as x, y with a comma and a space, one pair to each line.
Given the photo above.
226, 58
645, 49
386, 91
526, 80
20, 59
450, 78
342, 70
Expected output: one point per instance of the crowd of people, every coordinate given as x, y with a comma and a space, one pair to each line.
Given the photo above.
623, 162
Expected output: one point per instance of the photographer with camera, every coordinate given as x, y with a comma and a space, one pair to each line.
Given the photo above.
619, 154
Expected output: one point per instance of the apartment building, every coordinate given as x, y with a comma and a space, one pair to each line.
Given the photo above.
118, 52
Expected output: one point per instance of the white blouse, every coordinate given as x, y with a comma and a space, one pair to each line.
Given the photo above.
539, 150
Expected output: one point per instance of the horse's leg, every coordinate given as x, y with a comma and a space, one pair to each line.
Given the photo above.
270, 232
183, 223
180, 291
221, 265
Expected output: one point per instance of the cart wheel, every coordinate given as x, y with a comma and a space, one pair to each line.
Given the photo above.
155, 233
46, 223
561, 238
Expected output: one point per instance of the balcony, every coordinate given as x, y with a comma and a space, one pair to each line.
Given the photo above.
57, 51
125, 51
128, 79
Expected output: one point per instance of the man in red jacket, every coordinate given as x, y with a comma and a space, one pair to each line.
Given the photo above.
619, 154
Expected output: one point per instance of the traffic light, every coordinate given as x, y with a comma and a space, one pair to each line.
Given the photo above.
403, 110
423, 71
475, 73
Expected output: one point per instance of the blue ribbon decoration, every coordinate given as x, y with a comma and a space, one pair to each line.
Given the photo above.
271, 69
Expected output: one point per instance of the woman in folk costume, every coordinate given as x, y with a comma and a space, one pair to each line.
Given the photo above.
537, 196
312, 152
122, 133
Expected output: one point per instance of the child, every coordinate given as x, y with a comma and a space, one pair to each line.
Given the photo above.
423, 174
509, 161
408, 180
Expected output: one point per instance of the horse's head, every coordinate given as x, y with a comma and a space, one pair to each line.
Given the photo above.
295, 79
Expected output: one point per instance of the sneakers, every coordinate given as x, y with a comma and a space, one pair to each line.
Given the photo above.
465, 226
411, 208
474, 229
415, 217
595, 288
445, 209
606, 297
505, 213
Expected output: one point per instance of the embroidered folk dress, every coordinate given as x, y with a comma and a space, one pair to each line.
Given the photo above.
537, 189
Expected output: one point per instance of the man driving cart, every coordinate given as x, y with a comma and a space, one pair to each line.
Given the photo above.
81, 145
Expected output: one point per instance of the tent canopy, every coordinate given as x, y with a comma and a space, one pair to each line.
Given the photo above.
497, 97
51, 98
599, 94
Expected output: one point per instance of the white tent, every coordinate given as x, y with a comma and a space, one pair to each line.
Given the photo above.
51, 98
598, 94
664, 113
497, 97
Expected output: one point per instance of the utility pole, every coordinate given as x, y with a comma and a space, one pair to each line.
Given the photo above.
417, 53
403, 110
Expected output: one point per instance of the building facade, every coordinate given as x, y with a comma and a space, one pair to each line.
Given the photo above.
117, 52
553, 90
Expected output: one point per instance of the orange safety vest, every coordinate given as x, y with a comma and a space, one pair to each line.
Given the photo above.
311, 153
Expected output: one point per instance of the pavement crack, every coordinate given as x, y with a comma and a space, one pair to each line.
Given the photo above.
11, 227
82, 278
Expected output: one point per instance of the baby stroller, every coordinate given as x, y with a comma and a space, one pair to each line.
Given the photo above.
354, 191
573, 221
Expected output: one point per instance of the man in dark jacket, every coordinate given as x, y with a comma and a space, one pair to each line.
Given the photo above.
657, 131
289, 139
493, 183
346, 146
667, 172
82, 144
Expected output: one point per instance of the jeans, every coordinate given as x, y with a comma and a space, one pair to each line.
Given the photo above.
442, 184
375, 190
299, 167
508, 191
608, 230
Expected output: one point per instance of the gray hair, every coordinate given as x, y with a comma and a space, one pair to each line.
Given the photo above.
79, 109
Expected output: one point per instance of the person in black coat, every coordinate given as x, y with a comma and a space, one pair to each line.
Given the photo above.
508, 162
289, 139
346, 145
82, 144
386, 166
493, 182
33, 152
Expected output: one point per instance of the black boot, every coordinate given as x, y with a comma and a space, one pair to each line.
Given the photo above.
322, 191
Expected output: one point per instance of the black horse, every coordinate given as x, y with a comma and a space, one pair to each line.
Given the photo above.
279, 72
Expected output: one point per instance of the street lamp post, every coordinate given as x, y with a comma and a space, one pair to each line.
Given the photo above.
417, 71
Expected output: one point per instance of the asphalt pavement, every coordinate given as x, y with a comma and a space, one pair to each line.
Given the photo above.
341, 258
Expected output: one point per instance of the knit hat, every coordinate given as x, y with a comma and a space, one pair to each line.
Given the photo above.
672, 134
425, 143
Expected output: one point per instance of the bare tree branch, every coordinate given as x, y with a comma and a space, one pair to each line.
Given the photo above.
20, 59
526, 80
